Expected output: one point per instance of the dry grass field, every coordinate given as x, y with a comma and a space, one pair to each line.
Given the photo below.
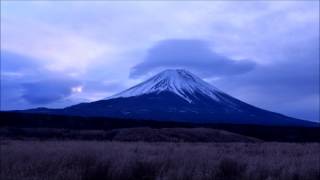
73, 160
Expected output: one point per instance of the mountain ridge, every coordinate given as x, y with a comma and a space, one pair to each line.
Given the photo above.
176, 95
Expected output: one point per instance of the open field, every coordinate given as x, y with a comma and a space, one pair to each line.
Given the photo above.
140, 160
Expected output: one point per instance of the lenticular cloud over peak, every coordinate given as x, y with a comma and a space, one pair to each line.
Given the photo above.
193, 54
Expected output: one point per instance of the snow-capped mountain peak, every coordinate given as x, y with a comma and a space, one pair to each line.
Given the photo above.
179, 81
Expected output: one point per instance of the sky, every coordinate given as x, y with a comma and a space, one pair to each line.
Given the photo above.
56, 54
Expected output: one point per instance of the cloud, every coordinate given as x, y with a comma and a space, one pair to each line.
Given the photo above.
48, 91
192, 54
25, 83
57, 49
13, 62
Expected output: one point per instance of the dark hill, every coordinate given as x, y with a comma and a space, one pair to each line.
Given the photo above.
61, 127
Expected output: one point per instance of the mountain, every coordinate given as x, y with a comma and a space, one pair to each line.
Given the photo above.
176, 95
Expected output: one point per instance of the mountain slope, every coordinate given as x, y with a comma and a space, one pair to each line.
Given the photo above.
177, 95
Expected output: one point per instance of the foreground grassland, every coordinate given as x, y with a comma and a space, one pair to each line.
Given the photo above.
58, 160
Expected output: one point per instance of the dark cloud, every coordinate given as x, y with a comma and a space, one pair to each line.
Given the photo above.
194, 55
12, 62
25, 83
47, 91
10, 95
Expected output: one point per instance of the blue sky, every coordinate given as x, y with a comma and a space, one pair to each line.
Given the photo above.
56, 54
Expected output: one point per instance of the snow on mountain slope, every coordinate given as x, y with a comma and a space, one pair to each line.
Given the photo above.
180, 82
